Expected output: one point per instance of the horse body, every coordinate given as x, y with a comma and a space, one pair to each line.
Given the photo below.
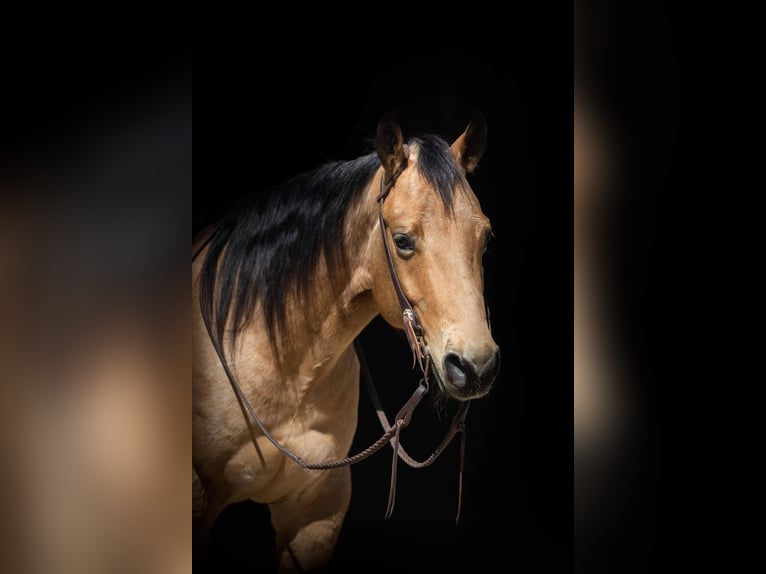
300, 371
309, 402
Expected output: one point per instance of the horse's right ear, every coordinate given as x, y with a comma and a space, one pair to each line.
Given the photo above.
389, 143
469, 147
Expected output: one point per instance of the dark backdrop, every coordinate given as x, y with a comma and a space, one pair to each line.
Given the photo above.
285, 91
292, 101
643, 69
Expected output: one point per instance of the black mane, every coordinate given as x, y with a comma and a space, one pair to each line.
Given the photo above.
267, 248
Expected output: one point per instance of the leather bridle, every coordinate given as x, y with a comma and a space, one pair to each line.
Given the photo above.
412, 327
415, 337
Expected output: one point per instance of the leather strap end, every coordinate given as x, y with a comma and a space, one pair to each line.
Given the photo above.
412, 339
392, 488
460, 476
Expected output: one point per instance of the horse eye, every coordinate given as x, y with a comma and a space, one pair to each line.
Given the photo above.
404, 242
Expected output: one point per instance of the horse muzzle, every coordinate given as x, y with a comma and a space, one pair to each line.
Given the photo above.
465, 378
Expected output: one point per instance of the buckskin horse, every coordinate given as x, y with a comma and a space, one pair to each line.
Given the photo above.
281, 288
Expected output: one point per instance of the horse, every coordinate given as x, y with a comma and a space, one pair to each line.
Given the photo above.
283, 285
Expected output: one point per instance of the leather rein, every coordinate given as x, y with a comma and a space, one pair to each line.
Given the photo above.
391, 434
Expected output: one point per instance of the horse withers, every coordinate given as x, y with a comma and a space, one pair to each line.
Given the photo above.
281, 288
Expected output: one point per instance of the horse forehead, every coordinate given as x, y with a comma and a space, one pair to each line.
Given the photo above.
417, 200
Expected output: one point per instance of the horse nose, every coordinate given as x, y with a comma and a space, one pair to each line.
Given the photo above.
456, 370
471, 376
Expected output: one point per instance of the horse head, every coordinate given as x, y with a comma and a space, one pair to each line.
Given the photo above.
437, 234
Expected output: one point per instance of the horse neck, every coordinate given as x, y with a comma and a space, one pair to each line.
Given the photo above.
338, 312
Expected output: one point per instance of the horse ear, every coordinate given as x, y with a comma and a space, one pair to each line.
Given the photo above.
389, 143
469, 147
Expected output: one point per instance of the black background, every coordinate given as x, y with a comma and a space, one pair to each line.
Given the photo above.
287, 91
297, 100
647, 71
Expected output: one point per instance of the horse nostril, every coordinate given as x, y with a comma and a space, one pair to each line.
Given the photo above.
455, 370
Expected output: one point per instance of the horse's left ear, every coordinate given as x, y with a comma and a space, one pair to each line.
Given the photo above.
389, 143
469, 147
